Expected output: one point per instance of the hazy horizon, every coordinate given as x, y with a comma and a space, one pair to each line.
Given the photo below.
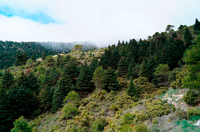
101, 22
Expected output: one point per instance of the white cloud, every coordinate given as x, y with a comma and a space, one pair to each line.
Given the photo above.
101, 21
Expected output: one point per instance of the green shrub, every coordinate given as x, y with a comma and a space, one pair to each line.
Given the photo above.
126, 128
98, 125
140, 128
69, 111
193, 112
157, 108
72, 97
190, 97
128, 118
21, 125
181, 114
154, 121
172, 75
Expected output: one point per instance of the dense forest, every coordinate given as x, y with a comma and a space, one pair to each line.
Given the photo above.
125, 87
9, 50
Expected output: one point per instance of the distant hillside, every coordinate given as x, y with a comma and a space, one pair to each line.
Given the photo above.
9, 49
67, 47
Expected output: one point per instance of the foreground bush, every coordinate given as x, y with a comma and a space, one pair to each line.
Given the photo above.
98, 125
69, 111
190, 97
193, 112
21, 125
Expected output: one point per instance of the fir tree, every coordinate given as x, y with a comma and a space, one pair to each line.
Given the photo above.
122, 67
131, 89
148, 68
115, 58
110, 80
46, 97
197, 26
6, 81
84, 80
64, 87
23, 81
19, 101
21, 59
33, 58
130, 68
105, 59
98, 76
33, 83
43, 56
93, 65
188, 38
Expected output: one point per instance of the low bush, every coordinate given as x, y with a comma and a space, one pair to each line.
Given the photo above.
190, 97
157, 108
193, 112
98, 125
21, 125
181, 114
140, 128
69, 111
128, 118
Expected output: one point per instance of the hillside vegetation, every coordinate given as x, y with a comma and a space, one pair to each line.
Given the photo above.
137, 86
9, 50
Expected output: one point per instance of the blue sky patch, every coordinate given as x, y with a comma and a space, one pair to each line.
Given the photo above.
39, 17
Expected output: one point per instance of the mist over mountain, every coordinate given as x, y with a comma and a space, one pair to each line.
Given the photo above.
68, 46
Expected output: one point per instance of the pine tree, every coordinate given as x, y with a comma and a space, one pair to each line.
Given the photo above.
192, 60
93, 65
110, 80
130, 68
122, 67
197, 26
98, 76
33, 58
43, 56
23, 81
33, 83
188, 38
64, 87
148, 68
21, 59
131, 89
6, 81
45, 97
115, 58
105, 59
84, 80
19, 101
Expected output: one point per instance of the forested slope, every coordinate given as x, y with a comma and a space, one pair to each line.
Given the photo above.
121, 90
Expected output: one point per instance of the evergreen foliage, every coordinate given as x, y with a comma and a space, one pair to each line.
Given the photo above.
19, 101
64, 87
197, 26
32, 81
98, 76
192, 60
6, 81
122, 67
84, 82
21, 59
33, 58
110, 80
131, 89
190, 97
45, 97
21, 125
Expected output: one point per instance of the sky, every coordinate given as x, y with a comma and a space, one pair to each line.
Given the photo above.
102, 22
